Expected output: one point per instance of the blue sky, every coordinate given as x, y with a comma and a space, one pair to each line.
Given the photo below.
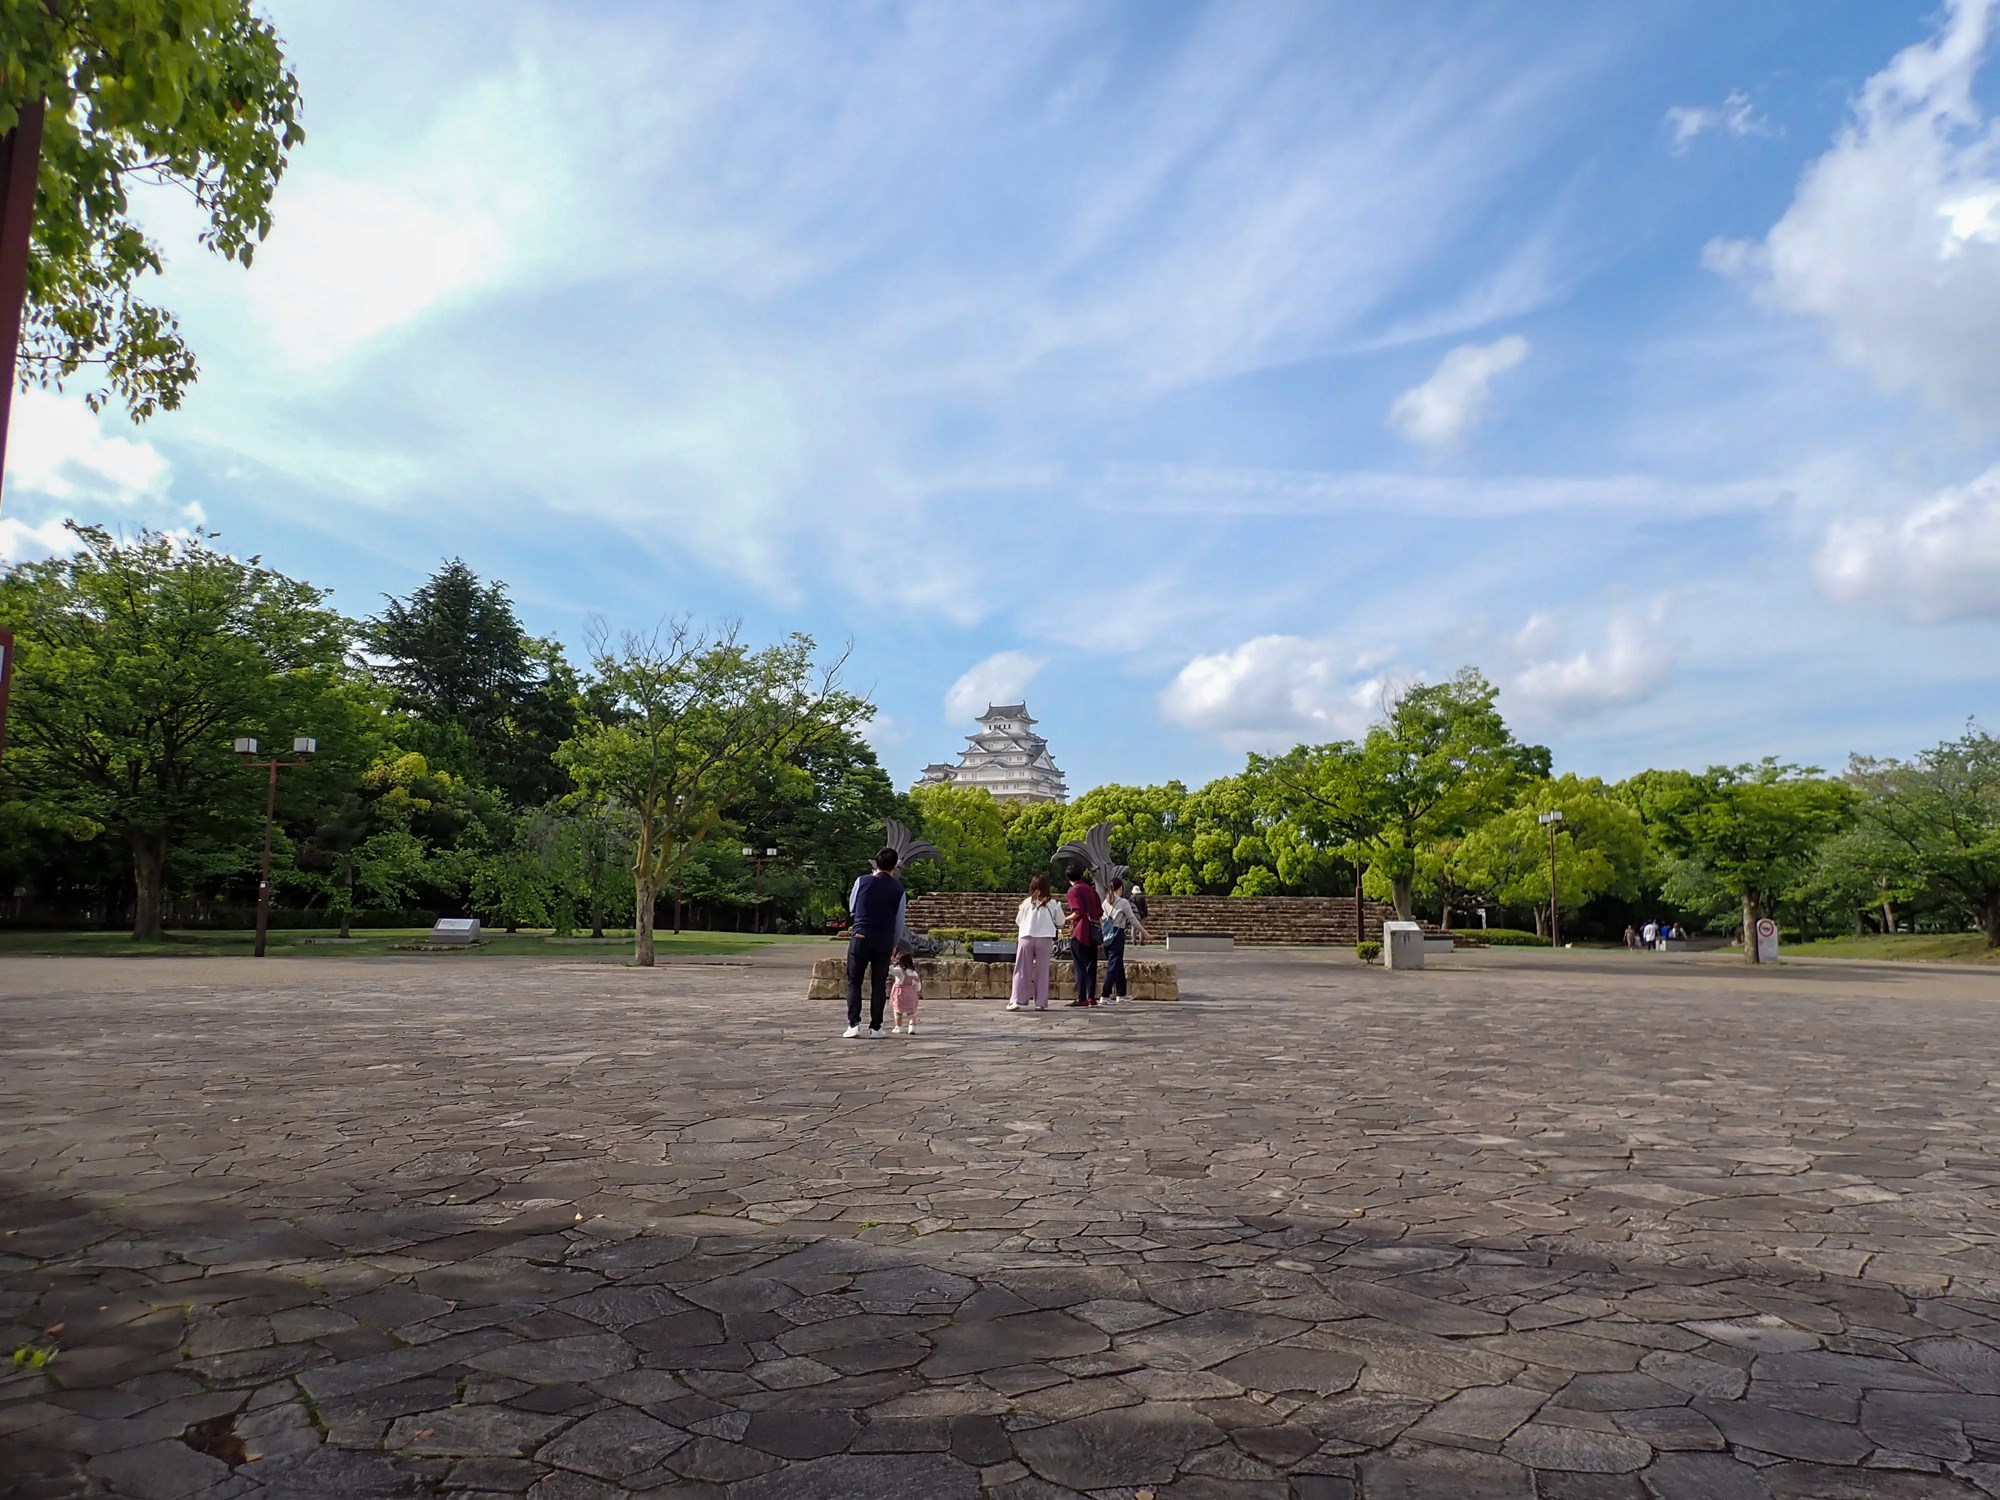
1196, 371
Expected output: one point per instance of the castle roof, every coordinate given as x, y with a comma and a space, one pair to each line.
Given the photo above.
1013, 762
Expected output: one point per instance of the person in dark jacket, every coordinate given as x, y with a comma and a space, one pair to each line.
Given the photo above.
877, 908
1085, 912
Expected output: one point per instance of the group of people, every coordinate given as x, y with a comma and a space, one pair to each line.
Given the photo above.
1655, 936
1099, 926
878, 947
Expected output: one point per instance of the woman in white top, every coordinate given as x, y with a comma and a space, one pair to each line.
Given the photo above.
1035, 954
1120, 922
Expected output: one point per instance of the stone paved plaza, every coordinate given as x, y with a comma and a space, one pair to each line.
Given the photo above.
1529, 1225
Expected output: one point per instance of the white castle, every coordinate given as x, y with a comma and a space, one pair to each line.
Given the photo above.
1006, 757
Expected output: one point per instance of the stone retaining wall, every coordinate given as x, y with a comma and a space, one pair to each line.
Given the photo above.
967, 979
1287, 920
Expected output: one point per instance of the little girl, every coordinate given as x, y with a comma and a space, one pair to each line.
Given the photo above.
905, 988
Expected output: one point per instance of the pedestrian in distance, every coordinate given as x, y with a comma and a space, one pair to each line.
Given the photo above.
1650, 935
1121, 921
877, 907
1035, 923
1086, 911
1631, 936
1139, 906
906, 988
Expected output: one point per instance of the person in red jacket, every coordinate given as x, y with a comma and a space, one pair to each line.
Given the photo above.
1085, 912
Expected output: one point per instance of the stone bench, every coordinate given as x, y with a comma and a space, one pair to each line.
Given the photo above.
969, 979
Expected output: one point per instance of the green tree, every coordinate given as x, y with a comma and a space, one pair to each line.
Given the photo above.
1600, 847
1442, 761
1855, 875
516, 883
823, 811
496, 701
966, 825
1942, 808
137, 664
693, 713
1757, 831
195, 94
1034, 833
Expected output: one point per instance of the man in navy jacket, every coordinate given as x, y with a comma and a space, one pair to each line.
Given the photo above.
877, 908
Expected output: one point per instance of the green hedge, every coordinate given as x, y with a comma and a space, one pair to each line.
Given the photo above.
1507, 937
969, 935
1368, 952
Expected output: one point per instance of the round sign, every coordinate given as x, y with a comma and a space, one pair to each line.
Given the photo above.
1766, 927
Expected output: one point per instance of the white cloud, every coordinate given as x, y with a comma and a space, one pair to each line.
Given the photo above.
1276, 691
1891, 240
22, 543
1443, 411
882, 731
1001, 678
1631, 664
58, 447
1184, 489
1938, 562
1734, 116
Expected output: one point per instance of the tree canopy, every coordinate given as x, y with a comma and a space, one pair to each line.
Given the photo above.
136, 667
193, 94
1441, 759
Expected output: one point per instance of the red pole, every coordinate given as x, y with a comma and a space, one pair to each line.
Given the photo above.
1555, 915
6, 678
20, 158
264, 884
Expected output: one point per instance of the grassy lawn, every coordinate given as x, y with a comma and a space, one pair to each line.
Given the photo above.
375, 942
1918, 947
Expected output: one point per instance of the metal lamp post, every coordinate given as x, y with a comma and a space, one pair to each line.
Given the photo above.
758, 859
1553, 821
246, 750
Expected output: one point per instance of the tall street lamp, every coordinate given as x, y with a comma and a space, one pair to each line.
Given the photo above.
246, 751
1552, 821
758, 859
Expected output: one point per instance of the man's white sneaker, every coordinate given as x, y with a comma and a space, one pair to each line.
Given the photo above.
852, 1031
874, 1033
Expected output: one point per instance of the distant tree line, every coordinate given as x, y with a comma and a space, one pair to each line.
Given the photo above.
1437, 808
467, 767
463, 766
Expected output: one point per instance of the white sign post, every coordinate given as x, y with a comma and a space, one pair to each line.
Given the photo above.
1767, 941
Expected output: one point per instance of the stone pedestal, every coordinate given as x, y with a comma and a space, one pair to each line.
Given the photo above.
963, 979
1402, 945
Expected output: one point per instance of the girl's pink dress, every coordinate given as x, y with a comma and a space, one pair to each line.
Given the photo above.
904, 992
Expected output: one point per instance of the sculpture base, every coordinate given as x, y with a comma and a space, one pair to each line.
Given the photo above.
965, 979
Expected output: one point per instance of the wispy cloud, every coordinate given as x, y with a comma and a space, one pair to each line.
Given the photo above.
1178, 489
1443, 411
1734, 116
1003, 677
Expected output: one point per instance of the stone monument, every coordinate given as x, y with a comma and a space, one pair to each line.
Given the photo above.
1402, 945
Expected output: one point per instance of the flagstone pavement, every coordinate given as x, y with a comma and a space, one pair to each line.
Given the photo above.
1523, 1225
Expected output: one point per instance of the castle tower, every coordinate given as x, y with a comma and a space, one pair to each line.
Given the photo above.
1006, 757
